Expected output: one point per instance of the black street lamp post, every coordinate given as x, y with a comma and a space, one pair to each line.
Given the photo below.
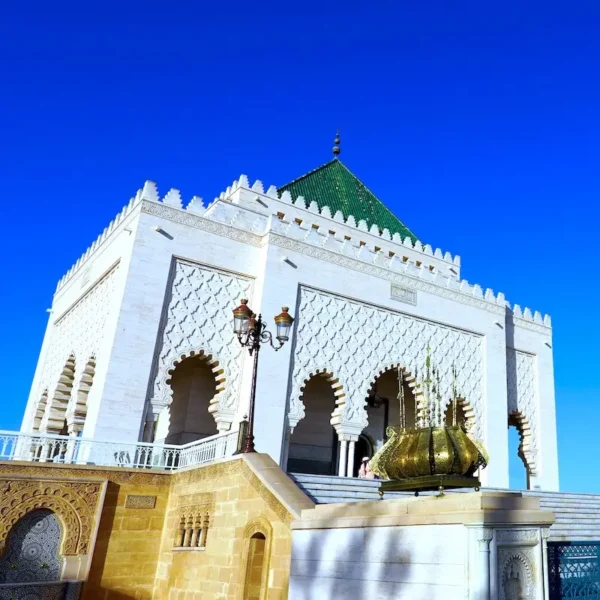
251, 333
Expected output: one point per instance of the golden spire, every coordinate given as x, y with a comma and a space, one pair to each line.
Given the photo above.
336, 147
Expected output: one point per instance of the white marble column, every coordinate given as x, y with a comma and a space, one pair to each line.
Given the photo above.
343, 458
479, 567
545, 579
351, 448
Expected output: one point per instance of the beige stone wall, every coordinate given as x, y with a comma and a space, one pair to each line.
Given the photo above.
244, 503
128, 540
127, 548
121, 542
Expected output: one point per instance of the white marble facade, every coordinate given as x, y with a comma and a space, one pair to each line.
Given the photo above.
158, 287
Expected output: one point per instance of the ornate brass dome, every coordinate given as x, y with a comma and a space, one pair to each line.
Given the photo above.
432, 455
429, 458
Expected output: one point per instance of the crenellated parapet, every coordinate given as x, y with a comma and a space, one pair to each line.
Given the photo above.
270, 215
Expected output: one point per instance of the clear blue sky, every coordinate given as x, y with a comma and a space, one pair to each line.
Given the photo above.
478, 125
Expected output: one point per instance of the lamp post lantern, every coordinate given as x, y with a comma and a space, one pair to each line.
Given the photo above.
251, 333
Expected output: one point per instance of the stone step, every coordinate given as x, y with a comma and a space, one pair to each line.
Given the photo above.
332, 480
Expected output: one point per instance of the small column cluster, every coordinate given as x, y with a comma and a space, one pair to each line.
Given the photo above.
192, 530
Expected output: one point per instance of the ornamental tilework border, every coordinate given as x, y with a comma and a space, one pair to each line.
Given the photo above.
355, 342
198, 318
522, 389
79, 332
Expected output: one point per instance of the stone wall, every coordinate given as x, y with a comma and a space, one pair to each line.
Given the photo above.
243, 497
122, 532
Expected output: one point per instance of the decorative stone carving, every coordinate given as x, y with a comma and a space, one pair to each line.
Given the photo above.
523, 400
195, 513
138, 501
356, 342
198, 320
383, 273
74, 504
403, 295
521, 536
78, 332
200, 222
516, 574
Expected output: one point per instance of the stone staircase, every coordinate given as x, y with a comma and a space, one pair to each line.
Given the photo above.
577, 515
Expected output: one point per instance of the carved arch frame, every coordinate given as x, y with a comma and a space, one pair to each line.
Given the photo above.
78, 405
71, 524
526, 450
297, 411
58, 401
410, 379
39, 410
221, 378
261, 525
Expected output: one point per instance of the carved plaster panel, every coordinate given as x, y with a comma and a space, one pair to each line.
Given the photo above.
79, 332
355, 342
523, 397
75, 504
517, 574
198, 320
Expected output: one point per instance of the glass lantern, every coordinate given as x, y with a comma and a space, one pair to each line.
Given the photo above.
241, 317
283, 321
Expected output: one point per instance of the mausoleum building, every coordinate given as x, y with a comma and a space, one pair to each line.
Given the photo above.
140, 346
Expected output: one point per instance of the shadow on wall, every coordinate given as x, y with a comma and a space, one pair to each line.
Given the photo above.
324, 569
92, 587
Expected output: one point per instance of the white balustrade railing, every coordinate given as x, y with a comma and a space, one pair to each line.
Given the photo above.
43, 447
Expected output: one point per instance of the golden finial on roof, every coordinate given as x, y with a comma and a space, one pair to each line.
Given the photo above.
336, 147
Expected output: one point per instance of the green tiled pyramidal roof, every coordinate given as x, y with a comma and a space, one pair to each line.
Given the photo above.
335, 186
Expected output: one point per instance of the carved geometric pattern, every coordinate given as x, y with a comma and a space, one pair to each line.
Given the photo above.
574, 569
523, 401
199, 321
47, 591
32, 549
79, 332
138, 501
355, 342
73, 503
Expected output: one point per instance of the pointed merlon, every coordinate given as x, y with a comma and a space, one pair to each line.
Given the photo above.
150, 191
196, 205
173, 198
257, 186
300, 202
243, 181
